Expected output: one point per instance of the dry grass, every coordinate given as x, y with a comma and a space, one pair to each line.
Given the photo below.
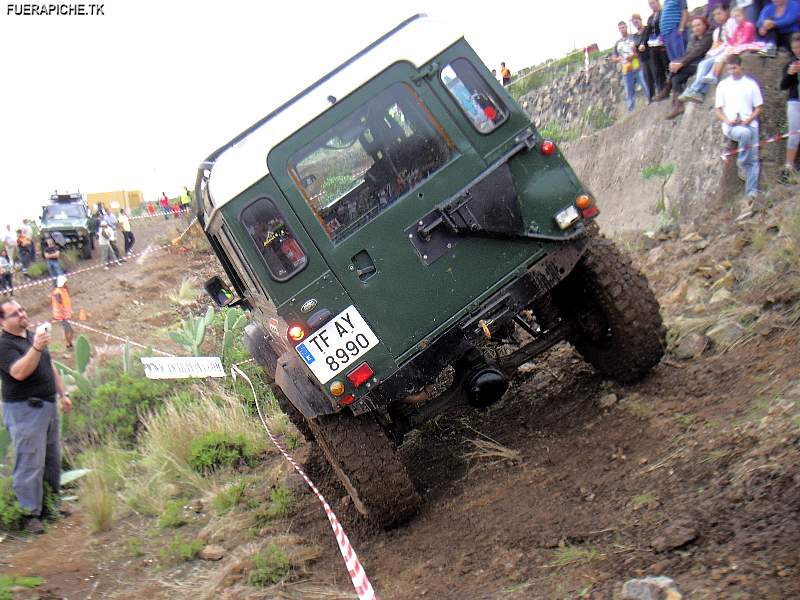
492, 452
187, 293
572, 555
164, 449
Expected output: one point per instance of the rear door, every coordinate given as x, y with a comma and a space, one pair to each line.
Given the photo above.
362, 175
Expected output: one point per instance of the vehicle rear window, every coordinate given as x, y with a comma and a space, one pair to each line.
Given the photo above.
274, 239
372, 157
478, 101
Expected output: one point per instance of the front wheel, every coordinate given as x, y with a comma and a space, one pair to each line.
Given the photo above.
366, 463
617, 327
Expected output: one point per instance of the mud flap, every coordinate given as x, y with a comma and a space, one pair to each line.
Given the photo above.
303, 393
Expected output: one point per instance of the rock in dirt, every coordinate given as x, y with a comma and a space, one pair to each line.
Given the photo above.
607, 401
725, 334
651, 588
675, 535
212, 552
721, 295
690, 346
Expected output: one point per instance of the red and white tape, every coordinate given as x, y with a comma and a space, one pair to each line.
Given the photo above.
144, 252
775, 138
357, 574
160, 213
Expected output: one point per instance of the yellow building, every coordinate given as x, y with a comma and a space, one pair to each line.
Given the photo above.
130, 200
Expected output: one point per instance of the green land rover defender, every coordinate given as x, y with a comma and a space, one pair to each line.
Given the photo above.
387, 227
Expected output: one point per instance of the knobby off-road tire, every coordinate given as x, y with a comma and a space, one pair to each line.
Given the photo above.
618, 328
366, 463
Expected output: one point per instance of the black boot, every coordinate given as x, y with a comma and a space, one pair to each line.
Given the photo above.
664, 93
677, 107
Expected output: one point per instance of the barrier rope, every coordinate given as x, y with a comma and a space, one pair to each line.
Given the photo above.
357, 574
145, 252
119, 339
770, 140
160, 214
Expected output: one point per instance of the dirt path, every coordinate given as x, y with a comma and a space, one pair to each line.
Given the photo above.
678, 475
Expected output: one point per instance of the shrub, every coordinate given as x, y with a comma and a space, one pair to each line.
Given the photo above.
8, 582
282, 502
114, 409
173, 515
180, 550
108, 467
270, 566
229, 497
38, 269
11, 513
215, 449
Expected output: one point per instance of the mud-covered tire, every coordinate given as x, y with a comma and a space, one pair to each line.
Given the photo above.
295, 416
86, 250
366, 463
618, 328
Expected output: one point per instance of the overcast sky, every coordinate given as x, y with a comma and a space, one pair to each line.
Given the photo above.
137, 97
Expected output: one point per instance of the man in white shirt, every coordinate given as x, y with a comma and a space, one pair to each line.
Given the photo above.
738, 105
10, 241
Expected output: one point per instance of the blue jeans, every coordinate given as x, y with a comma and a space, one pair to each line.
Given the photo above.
629, 81
673, 41
54, 267
747, 138
704, 68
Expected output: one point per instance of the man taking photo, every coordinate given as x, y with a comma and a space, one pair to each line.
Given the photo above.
30, 387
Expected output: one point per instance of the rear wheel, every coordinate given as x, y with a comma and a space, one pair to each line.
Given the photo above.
617, 326
366, 463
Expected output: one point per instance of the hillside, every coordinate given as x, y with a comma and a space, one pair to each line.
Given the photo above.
568, 487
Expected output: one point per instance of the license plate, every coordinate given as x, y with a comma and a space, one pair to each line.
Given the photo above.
337, 346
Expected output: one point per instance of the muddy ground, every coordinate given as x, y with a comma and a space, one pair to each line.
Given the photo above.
691, 473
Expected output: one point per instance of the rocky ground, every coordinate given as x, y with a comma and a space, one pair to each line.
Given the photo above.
567, 488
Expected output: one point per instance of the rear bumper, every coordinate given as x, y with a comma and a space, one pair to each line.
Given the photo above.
426, 365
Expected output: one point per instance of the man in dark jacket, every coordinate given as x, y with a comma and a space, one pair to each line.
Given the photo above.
685, 67
30, 388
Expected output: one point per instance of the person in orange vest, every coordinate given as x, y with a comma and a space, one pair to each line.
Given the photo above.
62, 308
505, 74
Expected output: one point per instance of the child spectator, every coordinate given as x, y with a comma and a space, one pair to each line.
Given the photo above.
625, 54
505, 74
721, 37
686, 66
738, 105
790, 82
776, 24
658, 61
62, 308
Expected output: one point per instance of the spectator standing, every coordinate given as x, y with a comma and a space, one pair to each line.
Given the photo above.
505, 74
186, 199
672, 24
128, 238
104, 238
790, 82
715, 58
625, 54
6, 273
24, 249
51, 255
164, 201
151, 208
686, 66
10, 241
30, 388
30, 230
776, 24
738, 105
640, 39
62, 308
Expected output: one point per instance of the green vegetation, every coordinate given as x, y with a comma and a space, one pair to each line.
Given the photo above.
571, 555
282, 503
664, 172
270, 566
213, 450
230, 497
8, 582
11, 513
541, 75
181, 550
173, 515
193, 331
38, 269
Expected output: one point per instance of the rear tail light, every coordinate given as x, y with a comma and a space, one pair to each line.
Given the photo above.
590, 212
360, 374
347, 400
547, 147
295, 333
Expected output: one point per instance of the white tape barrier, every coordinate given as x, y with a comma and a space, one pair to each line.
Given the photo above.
71, 274
160, 213
111, 336
357, 574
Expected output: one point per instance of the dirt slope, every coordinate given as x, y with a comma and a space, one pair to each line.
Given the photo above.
691, 473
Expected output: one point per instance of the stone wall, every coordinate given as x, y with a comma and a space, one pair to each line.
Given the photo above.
611, 161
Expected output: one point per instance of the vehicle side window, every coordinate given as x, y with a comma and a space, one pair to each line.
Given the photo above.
274, 239
478, 101
369, 159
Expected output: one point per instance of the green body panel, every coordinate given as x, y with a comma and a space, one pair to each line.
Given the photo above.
407, 301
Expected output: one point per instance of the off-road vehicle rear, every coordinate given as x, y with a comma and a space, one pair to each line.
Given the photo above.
390, 224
